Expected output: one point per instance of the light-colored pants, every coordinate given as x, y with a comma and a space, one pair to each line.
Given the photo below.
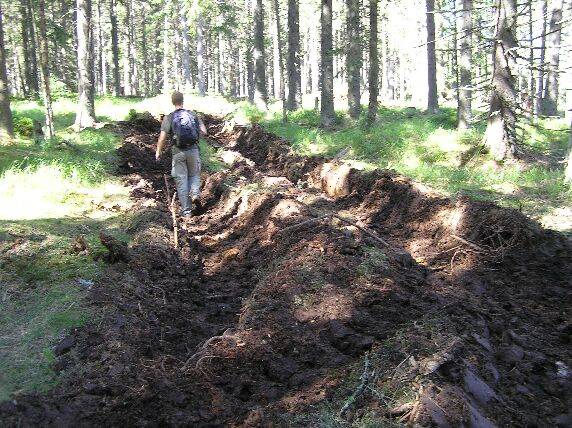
186, 170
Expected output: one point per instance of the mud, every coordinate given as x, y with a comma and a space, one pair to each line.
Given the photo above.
262, 317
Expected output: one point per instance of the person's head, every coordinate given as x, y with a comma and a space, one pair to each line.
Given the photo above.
177, 99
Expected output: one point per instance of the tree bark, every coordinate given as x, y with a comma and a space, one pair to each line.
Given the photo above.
201, 53
432, 98
6, 124
373, 64
166, 41
279, 91
568, 171
554, 41
85, 116
261, 92
25, 30
500, 135
464, 111
45, 69
293, 65
540, 83
186, 49
115, 49
327, 113
33, 49
353, 57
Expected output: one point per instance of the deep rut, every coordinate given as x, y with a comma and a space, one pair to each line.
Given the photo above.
262, 317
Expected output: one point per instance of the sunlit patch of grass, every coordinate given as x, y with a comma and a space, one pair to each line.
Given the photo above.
50, 192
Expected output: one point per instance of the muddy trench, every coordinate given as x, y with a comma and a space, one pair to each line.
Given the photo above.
295, 272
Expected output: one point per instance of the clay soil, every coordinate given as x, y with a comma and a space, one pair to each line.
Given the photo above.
305, 293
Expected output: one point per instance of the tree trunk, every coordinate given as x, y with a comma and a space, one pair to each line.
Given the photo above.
260, 93
127, 54
35, 89
186, 49
278, 59
327, 113
465, 66
540, 85
6, 124
201, 53
25, 29
115, 49
45, 69
293, 65
353, 57
432, 99
568, 171
500, 136
166, 41
373, 63
554, 40
85, 116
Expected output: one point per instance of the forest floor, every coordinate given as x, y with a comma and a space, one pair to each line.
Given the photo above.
306, 293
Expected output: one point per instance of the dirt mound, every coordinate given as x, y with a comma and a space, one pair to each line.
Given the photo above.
310, 293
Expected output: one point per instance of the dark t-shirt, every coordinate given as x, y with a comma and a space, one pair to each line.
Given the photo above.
167, 127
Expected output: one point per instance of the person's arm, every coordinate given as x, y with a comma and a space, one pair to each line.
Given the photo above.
160, 144
202, 127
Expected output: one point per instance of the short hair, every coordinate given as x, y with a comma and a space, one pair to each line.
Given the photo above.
177, 98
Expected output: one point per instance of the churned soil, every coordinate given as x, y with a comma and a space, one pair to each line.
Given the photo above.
307, 293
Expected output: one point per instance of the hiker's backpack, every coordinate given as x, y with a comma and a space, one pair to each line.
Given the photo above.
185, 128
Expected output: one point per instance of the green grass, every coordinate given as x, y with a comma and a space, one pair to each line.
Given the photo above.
50, 192
429, 149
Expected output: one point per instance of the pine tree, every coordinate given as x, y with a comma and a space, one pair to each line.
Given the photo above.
373, 63
353, 57
432, 99
327, 114
465, 66
45, 70
293, 65
500, 136
261, 93
550, 103
6, 125
85, 116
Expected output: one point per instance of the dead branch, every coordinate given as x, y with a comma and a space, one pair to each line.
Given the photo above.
175, 226
200, 354
304, 223
470, 244
364, 379
167, 188
365, 230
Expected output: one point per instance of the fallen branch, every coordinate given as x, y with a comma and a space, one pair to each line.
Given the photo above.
306, 222
470, 244
175, 226
364, 379
167, 188
200, 354
365, 230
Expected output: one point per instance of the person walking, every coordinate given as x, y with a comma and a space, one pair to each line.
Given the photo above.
184, 128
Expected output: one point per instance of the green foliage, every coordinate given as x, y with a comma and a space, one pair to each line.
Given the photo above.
375, 261
132, 115
60, 90
24, 126
246, 112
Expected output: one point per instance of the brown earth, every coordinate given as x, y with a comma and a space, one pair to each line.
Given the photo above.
403, 308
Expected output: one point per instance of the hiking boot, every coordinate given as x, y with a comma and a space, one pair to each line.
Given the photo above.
196, 203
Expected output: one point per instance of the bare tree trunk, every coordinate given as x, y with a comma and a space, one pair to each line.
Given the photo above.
327, 113
45, 69
531, 80
85, 116
186, 49
261, 93
465, 66
432, 98
353, 57
278, 58
554, 41
166, 41
540, 85
115, 49
373, 63
25, 29
6, 124
293, 65
568, 171
33, 49
201, 53
500, 136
